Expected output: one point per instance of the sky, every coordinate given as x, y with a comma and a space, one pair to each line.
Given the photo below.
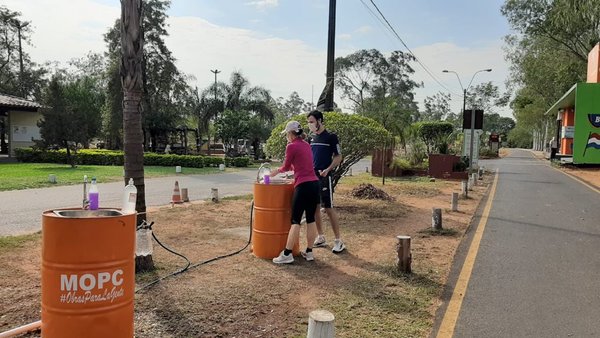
282, 44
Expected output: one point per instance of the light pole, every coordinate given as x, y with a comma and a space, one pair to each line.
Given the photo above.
216, 71
472, 110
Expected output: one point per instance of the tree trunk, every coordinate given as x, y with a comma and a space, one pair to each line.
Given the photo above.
132, 43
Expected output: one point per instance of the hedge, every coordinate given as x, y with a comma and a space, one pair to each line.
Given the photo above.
111, 157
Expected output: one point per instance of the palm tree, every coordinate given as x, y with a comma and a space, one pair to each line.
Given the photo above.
132, 47
237, 95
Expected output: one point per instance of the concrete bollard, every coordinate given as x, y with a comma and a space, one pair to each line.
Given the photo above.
320, 324
184, 195
52, 178
454, 202
474, 179
178, 169
464, 189
470, 183
221, 167
436, 218
214, 192
404, 256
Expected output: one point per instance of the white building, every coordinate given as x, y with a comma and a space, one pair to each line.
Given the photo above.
20, 119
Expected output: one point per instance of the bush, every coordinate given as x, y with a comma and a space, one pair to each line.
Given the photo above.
111, 157
242, 161
487, 152
401, 163
462, 165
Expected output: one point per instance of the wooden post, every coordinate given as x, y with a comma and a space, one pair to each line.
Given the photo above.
215, 194
464, 189
436, 218
184, 195
404, 255
454, 203
320, 324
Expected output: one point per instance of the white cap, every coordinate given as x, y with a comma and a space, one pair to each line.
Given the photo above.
291, 126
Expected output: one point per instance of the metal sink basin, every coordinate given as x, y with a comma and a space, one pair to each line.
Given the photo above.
88, 213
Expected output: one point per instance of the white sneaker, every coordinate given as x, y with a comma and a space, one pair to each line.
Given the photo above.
308, 256
338, 246
320, 241
283, 259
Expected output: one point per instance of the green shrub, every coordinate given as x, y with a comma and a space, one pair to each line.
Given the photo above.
111, 157
401, 163
242, 161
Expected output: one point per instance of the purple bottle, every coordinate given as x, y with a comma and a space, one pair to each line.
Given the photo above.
267, 179
93, 195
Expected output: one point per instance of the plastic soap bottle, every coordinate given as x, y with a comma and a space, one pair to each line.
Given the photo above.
93, 195
129, 198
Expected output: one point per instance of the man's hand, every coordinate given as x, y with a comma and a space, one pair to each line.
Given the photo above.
324, 172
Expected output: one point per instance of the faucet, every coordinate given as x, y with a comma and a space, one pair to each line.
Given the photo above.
266, 166
86, 201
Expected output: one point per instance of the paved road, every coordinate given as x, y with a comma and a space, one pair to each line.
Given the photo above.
537, 272
21, 210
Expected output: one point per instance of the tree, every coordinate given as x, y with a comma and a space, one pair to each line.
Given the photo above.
168, 100
435, 135
548, 54
237, 96
132, 49
358, 136
72, 116
437, 107
231, 126
29, 82
367, 73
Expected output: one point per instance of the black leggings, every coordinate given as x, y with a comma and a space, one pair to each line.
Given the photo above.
306, 198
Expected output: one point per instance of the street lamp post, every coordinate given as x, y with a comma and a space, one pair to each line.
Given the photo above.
472, 111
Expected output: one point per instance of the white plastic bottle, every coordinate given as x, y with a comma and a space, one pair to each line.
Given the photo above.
94, 195
129, 198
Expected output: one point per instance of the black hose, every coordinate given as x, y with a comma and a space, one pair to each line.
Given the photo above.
189, 266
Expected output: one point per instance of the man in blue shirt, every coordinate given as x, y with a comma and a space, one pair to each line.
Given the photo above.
327, 156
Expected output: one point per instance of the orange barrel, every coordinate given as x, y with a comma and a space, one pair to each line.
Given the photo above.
88, 273
272, 219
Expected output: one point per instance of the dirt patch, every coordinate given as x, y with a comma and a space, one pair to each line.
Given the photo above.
242, 296
589, 175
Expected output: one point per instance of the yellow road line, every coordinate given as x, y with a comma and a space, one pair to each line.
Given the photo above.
446, 329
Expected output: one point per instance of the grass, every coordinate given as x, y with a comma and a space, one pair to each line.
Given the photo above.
15, 176
13, 242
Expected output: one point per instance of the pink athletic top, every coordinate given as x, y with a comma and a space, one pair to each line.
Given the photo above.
298, 157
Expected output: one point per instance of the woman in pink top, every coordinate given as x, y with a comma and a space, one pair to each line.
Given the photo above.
298, 156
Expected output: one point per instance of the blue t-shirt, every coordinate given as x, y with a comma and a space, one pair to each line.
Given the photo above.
324, 146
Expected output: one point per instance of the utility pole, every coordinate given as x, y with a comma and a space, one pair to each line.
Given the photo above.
216, 71
330, 57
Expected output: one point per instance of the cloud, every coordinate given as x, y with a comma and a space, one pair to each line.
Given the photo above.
279, 65
364, 29
263, 4
465, 61
344, 36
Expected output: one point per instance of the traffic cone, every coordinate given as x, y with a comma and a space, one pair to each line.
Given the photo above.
176, 198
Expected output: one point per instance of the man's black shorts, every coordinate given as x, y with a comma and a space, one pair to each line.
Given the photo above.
326, 189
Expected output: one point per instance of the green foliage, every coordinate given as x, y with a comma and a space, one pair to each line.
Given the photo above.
112, 157
358, 137
401, 163
232, 125
435, 135
520, 138
462, 165
437, 107
31, 81
548, 54
487, 152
